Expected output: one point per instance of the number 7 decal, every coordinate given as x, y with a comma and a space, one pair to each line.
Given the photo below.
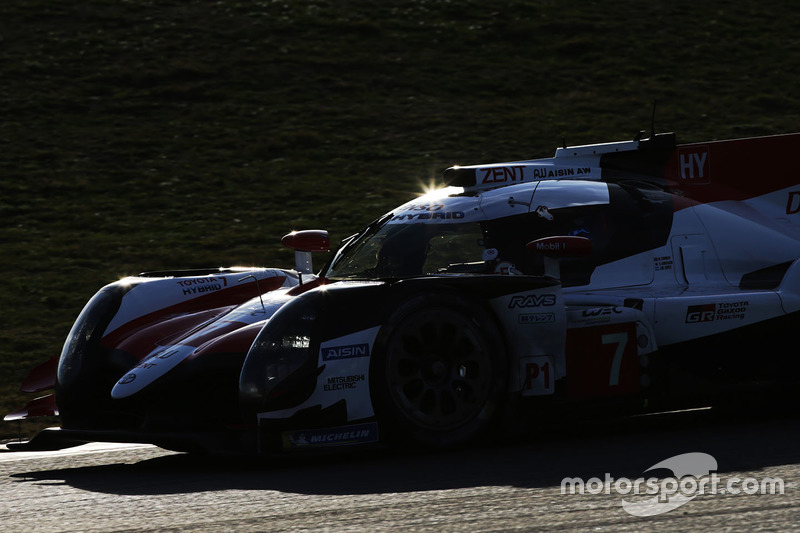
602, 361
621, 340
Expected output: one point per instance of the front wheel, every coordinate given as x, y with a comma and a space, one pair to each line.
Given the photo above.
440, 371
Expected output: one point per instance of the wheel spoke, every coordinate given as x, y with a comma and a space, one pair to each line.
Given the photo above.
408, 368
464, 392
464, 347
448, 332
429, 334
448, 402
413, 345
428, 402
412, 391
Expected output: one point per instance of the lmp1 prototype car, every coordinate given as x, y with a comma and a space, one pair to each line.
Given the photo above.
612, 278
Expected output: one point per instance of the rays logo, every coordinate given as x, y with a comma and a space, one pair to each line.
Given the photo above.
532, 300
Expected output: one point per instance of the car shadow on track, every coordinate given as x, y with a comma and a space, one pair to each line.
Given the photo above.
589, 449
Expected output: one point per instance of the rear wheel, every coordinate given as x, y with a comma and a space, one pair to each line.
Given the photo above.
441, 371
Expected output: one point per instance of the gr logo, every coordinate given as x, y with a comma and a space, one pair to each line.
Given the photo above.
700, 313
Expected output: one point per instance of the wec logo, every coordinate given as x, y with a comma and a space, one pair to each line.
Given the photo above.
532, 300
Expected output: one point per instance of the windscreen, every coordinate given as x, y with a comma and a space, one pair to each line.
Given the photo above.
408, 250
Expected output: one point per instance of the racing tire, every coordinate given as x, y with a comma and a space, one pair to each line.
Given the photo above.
440, 372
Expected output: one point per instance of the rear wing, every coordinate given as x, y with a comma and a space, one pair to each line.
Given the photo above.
705, 172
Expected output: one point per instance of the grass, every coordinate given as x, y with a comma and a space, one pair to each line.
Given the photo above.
140, 135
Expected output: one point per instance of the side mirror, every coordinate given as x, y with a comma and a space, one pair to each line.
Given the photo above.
304, 243
554, 248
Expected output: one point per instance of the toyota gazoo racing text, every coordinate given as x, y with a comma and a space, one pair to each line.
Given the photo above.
624, 277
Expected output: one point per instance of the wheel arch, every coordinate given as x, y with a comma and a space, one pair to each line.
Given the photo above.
442, 299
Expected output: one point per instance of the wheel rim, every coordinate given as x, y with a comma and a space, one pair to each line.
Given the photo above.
439, 369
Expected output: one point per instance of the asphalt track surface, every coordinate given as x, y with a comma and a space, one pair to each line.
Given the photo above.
514, 485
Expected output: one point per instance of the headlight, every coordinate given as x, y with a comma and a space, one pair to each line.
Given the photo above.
281, 367
86, 332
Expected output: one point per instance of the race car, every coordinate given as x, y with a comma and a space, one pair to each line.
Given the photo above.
616, 278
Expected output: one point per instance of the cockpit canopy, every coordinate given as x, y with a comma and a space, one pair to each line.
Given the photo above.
452, 231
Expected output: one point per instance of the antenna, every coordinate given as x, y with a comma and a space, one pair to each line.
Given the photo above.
258, 289
653, 121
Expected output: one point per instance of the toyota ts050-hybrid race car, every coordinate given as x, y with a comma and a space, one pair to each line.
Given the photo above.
613, 278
